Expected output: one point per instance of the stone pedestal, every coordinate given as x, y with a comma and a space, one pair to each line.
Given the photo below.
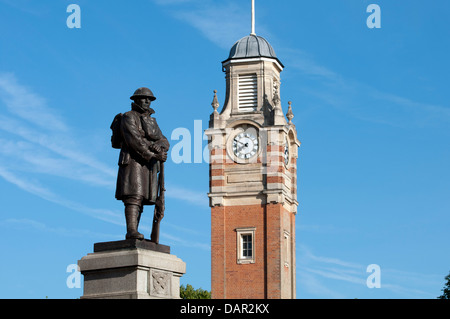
131, 269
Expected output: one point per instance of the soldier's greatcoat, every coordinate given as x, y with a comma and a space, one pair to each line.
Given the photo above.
138, 169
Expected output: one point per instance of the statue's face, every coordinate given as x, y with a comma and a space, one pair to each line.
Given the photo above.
144, 102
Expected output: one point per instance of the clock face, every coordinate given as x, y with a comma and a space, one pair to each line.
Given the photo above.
245, 145
286, 152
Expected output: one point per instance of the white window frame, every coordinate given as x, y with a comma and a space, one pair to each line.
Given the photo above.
240, 233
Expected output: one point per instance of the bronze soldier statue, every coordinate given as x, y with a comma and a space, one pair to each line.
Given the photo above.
143, 151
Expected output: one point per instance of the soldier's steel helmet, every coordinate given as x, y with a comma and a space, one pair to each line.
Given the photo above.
143, 92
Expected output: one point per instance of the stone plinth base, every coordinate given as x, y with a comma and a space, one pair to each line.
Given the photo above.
131, 269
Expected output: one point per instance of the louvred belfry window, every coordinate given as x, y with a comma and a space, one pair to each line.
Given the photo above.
247, 92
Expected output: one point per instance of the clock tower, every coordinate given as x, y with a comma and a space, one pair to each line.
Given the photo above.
253, 178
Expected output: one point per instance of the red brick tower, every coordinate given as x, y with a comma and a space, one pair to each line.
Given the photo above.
253, 179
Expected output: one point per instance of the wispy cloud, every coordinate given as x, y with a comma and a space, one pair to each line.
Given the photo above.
34, 187
30, 224
31, 187
30, 157
315, 273
186, 243
19, 100
187, 195
313, 285
39, 138
338, 274
59, 143
36, 143
223, 23
306, 253
362, 100
304, 62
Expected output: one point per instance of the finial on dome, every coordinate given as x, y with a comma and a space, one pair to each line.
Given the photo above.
253, 18
289, 113
215, 102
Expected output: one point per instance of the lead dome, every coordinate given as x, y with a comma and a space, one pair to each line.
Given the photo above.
252, 46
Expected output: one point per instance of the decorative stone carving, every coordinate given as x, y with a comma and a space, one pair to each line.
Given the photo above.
160, 283
276, 95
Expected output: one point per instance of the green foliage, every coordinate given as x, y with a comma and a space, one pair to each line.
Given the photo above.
446, 289
189, 292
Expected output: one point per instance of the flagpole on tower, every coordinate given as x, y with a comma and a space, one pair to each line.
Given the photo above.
253, 18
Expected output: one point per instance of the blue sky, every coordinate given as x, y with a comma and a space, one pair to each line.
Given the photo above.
371, 108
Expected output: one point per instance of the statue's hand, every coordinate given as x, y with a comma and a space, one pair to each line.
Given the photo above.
161, 156
156, 148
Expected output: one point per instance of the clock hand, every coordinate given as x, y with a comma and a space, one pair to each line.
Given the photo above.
245, 145
242, 147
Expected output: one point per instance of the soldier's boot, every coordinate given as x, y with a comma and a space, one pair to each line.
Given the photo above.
132, 214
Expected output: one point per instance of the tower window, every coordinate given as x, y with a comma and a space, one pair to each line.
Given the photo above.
247, 92
287, 247
245, 245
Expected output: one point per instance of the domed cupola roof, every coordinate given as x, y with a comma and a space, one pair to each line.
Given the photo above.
252, 46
